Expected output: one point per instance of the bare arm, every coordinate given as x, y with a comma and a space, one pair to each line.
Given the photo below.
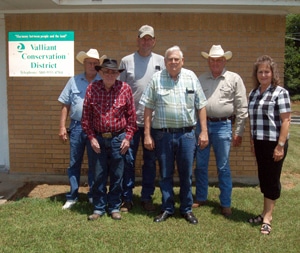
148, 141
62, 123
285, 125
203, 136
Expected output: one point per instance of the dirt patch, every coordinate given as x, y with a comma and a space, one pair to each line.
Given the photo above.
38, 190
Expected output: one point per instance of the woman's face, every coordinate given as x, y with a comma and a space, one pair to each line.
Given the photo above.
264, 74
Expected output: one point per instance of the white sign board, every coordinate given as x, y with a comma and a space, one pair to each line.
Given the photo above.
41, 53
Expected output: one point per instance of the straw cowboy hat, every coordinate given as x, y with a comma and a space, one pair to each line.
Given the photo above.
217, 51
92, 53
109, 64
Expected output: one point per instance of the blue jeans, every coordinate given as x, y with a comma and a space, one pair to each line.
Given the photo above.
179, 148
78, 143
148, 169
220, 136
109, 163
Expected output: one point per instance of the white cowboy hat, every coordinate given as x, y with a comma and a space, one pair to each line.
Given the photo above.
92, 53
217, 51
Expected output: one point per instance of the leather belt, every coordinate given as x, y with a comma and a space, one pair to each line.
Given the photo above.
177, 130
220, 119
108, 135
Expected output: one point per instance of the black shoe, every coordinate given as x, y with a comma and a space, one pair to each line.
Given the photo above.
190, 217
162, 216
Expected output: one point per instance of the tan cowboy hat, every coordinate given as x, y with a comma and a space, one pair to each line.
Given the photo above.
217, 51
92, 53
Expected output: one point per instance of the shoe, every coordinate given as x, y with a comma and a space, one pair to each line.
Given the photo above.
95, 216
265, 228
256, 220
116, 216
199, 203
148, 206
190, 217
126, 206
226, 211
90, 200
69, 204
162, 216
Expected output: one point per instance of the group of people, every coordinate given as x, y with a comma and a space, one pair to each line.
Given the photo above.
178, 117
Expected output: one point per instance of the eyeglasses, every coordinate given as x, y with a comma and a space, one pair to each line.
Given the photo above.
110, 72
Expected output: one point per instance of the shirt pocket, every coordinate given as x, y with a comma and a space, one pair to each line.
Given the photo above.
164, 96
119, 108
77, 96
95, 108
225, 93
190, 98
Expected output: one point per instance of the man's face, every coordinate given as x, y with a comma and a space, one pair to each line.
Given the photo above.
89, 66
109, 76
216, 65
174, 63
146, 43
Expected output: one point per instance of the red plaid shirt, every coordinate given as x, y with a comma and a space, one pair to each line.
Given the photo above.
108, 111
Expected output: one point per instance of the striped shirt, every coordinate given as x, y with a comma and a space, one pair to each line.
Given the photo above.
264, 111
174, 102
108, 111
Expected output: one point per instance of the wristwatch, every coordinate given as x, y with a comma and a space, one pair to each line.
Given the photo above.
281, 144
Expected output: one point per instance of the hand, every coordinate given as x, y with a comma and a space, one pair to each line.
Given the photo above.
63, 135
95, 145
149, 142
203, 140
124, 146
278, 153
237, 141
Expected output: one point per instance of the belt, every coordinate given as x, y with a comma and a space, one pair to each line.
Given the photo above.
220, 119
177, 130
108, 135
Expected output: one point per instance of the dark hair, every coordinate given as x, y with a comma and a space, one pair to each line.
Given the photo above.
265, 59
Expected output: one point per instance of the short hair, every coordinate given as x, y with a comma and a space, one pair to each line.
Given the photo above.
266, 59
174, 48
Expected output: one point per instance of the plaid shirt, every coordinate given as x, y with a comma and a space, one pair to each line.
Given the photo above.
174, 102
110, 111
264, 111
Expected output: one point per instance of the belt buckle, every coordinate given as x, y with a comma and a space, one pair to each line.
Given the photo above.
107, 135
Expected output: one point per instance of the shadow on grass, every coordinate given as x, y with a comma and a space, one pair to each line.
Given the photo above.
85, 208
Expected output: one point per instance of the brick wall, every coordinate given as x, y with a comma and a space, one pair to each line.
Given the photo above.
34, 111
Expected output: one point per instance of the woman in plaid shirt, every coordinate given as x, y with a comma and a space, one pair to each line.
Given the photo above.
270, 113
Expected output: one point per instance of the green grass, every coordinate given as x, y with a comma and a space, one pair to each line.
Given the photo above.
39, 225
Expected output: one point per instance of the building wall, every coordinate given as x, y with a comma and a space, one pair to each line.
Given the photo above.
33, 109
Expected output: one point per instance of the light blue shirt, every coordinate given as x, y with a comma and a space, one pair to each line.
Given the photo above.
73, 94
175, 103
138, 72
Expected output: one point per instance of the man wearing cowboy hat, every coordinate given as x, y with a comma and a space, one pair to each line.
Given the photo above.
227, 102
72, 98
109, 120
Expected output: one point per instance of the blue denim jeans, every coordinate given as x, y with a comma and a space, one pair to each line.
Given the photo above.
220, 136
148, 169
109, 163
78, 143
179, 148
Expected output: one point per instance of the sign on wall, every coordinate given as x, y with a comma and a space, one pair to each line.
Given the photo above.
41, 53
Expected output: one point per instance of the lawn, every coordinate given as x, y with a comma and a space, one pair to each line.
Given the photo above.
40, 225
